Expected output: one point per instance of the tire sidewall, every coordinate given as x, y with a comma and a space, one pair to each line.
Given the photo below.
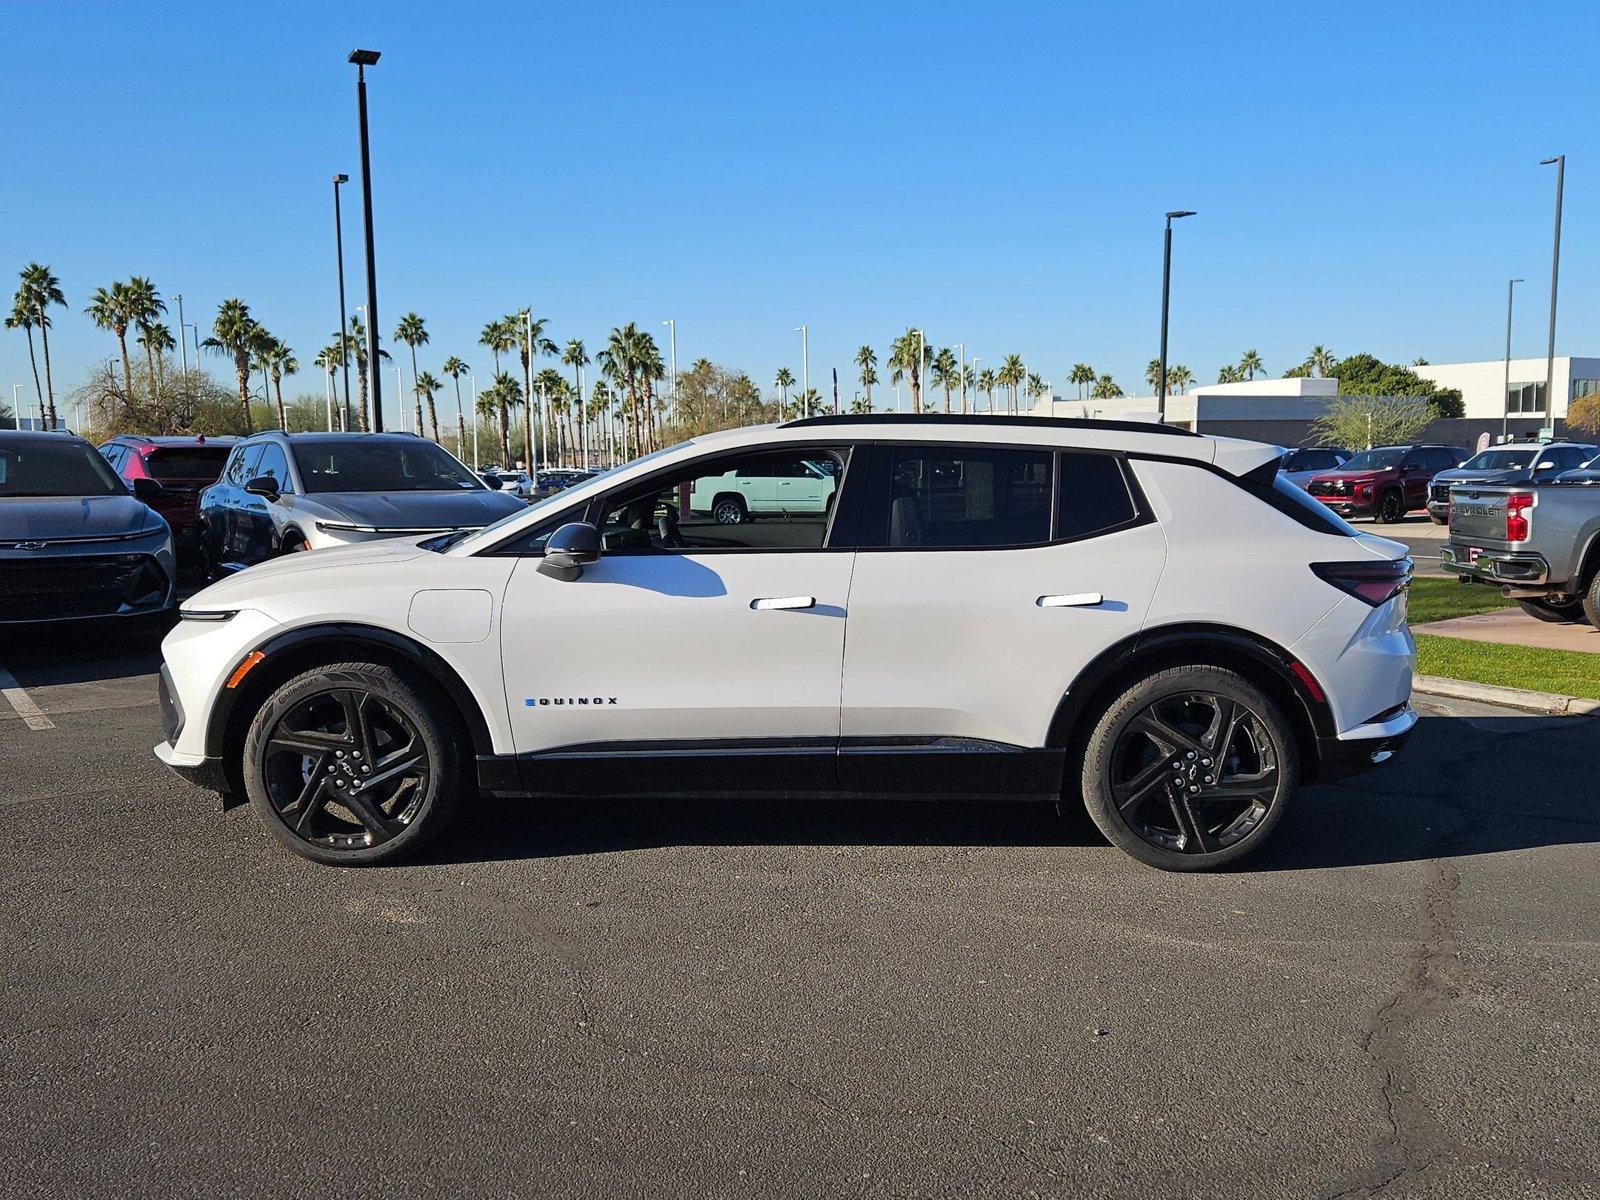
1115, 717
734, 508
1391, 497
394, 687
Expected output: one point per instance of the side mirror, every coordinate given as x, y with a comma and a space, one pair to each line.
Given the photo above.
147, 489
263, 485
570, 549
493, 482
1547, 465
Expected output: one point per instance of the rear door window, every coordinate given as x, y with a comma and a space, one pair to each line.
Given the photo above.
961, 497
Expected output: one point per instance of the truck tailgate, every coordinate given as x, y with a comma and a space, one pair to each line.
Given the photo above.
1478, 516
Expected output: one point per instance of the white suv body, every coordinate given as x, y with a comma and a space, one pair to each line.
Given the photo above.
990, 608
788, 488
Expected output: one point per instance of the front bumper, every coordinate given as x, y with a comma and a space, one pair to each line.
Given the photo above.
1522, 569
198, 769
1439, 510
1366, 746
89, 579
1349, 506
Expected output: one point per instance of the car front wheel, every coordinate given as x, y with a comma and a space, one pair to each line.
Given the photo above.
1392, 508
352, 765
1189, 768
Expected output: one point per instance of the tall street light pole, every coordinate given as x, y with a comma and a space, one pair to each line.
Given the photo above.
183, 349
1166, 297
344, 320
1505, 419
975, 361
1560, 162
364, 59
805, 370
961, 364
672, 333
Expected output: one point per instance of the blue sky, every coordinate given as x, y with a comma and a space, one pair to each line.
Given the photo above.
1366, 175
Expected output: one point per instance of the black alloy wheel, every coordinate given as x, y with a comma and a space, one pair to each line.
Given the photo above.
1392, 508
1190, 768
351, 764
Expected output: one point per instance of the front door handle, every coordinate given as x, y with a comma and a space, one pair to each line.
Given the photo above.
784, 602
1075, 600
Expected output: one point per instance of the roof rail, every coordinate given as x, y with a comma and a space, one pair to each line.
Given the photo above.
982, 419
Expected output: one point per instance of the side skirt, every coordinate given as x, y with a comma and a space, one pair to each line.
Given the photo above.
760, 769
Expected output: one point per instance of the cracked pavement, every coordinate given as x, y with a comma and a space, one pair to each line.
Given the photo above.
1398, 997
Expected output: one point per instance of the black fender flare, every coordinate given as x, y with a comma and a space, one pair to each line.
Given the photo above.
1256, 657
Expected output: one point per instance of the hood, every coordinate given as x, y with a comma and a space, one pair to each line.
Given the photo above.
1580, 475
1463, 475
417, 510
51, 518
237, 591
1346, 476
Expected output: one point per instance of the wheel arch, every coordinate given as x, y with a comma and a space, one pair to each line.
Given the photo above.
290, 652
1258, 659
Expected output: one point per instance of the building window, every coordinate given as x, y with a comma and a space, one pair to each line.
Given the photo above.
1525, 398
1584, 387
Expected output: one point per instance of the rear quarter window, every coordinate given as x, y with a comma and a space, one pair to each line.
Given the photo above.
1092, 496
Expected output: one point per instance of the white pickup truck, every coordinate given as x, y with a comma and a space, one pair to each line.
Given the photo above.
766, 488
1537, 541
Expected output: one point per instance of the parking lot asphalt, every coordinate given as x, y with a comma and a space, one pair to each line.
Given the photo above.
604, 999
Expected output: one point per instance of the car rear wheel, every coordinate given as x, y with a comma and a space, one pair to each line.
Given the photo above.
352, 764
1563, 613
1189, 769
730, 510
1392, 508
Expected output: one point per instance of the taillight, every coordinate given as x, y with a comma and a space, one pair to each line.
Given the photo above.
1372, 581
1517, 506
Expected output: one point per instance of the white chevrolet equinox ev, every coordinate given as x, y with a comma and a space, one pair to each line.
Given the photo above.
992, 608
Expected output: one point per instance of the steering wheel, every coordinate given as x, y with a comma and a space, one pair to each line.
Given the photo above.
667, 529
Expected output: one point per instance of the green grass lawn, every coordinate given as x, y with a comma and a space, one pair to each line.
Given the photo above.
1565, 672
1438, 599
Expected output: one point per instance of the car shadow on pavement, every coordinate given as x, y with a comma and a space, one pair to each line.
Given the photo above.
81, 652
1463, 786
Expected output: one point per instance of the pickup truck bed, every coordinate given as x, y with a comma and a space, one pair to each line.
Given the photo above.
1537, 542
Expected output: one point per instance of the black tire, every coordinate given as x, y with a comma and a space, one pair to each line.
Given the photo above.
1391, 508
205, 566
304, 732
1146, 782
729, 510
1556, 614
1438, 520
1591, 601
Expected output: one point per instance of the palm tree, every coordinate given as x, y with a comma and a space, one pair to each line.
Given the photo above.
1036, 387
969, 383
278, 360
427, 387
1010, 375
40, 291
234, 333
504, 394
1320, 361
1105, 388
528, 332
867, 362
554, 395
908, 356
1230, 374
1081, 374
144, 305
157, 341
24, 319
112, 309
455, 368
576, 356
356, 341
498, 337
410, 331
1250, 362
784, 380
986, 384
946, 373
1152, 375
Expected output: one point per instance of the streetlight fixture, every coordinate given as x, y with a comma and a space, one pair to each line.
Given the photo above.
1505, 418
1166, 294
1560, 162
805, 370
364, 59
344, 321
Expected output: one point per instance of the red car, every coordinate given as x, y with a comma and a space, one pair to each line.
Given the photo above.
1385, 482
183, 466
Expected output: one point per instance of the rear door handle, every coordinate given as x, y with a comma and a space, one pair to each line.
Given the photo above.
784, 602
1075, 600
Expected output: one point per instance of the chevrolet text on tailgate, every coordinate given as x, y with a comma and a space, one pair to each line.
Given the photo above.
1537, 541
1137, 618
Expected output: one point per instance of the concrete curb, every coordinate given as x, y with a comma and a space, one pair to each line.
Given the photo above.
1510, 697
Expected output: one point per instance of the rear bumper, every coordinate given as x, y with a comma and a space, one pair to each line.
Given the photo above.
1498, 566
1366, 746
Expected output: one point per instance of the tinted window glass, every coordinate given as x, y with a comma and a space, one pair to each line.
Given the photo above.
113, 455
957, 497
45, 467
1093, 496
1319, 460
200, 462
1381, 459
273, 463
760, 502
411, 465
242, 469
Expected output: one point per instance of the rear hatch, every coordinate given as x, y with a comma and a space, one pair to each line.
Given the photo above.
1478, 517
184, 472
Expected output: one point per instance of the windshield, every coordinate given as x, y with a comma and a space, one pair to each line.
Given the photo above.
1500, 460
562, 499
1375, 460
42, 467
363, 466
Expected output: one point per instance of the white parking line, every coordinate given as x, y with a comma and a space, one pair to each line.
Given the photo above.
30, 712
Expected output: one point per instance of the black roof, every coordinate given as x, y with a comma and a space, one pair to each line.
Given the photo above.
848, 419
